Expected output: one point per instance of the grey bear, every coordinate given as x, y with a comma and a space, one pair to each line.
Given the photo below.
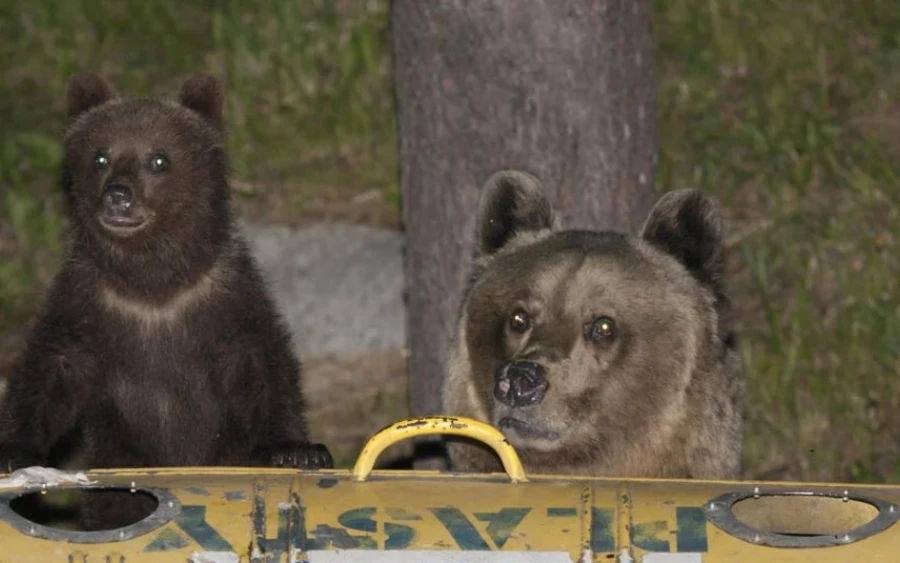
598, 353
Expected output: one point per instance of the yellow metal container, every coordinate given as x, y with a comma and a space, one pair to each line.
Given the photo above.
218, 515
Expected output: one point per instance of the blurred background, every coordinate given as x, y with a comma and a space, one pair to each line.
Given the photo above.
787, 110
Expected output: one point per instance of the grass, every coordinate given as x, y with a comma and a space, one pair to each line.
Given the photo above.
309, 107
785, 109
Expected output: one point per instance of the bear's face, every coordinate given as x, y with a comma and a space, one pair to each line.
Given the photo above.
569, 334
138, 166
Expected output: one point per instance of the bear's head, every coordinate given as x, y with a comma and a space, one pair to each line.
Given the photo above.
146, 169
576, 341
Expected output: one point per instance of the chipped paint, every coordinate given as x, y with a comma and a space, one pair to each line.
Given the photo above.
437, 518
338, 538
167, 540
258, 515
561, 512
193, 521
502, 523
235, 495
197, 491
646, 535
460, 528
586, 498
296, 519
431, 421
427, 517
359, 519
401, 513
602, 539
691, 532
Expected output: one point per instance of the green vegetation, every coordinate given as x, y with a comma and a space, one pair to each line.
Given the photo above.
789, 110
310, 109
786, 109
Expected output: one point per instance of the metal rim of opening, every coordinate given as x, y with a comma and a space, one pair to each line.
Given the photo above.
719, 512
168, 506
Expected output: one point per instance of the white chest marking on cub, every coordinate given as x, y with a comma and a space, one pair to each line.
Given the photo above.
150, 315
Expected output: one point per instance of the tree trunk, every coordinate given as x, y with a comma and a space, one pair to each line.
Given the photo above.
563, 89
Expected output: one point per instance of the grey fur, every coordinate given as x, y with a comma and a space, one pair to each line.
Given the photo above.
660, 396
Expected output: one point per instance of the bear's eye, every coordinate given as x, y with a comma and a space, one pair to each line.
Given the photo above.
159, 163
602, 329
101, 160
519, 321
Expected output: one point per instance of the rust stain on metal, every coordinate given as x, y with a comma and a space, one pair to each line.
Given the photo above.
415, 423
258, 514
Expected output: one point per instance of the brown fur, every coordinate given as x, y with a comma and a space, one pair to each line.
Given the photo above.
158, 344
661, 397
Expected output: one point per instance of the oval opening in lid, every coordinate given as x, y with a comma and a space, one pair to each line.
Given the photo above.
800, 518
803, 515
59, 513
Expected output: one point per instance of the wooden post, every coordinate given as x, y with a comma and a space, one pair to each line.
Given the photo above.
561, 88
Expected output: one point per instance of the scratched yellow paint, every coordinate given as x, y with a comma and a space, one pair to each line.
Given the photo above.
274, 516
653, 505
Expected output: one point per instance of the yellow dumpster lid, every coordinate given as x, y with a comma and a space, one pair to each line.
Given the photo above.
263, 515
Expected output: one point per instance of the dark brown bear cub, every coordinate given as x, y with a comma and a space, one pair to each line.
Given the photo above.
158, 341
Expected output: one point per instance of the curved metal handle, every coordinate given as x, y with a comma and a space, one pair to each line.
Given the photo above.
430, 425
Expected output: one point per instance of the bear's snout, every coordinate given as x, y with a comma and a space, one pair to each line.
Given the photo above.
119, 206
519, 384
118, 198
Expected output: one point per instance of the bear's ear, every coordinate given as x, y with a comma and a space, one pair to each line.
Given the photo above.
687, 224
203, 94
511, 202
86, 91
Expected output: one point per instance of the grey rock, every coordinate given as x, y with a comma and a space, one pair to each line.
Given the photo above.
339, 286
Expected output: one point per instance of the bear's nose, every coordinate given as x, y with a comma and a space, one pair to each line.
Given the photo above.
117, 199
519, 384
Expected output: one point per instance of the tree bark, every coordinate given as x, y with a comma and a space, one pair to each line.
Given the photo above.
563, 89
